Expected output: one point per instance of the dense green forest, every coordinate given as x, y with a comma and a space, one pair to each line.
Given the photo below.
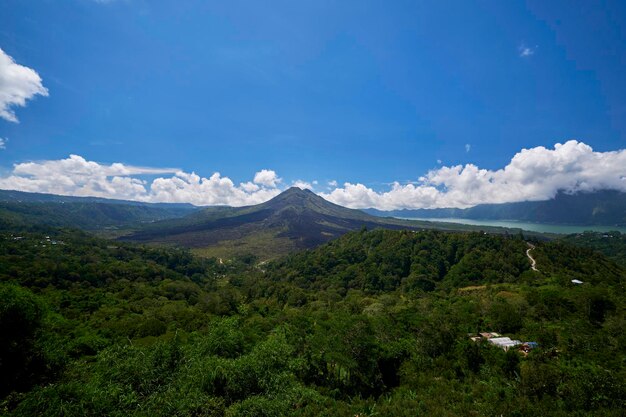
372, 323
612, 244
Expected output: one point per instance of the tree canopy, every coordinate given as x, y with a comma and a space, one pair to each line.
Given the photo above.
373, 323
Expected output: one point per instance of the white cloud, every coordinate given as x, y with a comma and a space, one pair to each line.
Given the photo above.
303, 185
215, 190
267, 177
332, 183
355, 196
526, 51
3, 143
17, 85
78, 177
439, 161
468, 147
533, 174
249, 187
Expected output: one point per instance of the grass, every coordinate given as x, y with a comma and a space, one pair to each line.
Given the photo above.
472, 288
265, 245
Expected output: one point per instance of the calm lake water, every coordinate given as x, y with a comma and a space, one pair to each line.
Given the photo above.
532, 227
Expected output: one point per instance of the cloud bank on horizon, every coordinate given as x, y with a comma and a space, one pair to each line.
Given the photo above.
17, 85
532, 174
75, 176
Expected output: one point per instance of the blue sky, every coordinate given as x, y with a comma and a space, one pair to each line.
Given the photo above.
360, 92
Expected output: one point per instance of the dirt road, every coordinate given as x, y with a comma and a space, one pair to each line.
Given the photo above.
533, 263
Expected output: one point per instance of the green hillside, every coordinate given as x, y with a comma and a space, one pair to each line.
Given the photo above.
25, 210
384, 260
373, 323
611, 244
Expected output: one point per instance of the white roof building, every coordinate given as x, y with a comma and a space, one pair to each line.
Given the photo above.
504, 342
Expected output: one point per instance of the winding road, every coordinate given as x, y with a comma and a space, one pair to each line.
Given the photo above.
533, 263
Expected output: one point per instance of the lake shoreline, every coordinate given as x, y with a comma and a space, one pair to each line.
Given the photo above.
526, 226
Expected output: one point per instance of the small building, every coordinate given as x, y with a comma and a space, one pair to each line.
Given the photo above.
504, 342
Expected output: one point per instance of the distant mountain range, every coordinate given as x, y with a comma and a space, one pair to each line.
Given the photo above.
12, 196
295, 219
597, 208
20, 209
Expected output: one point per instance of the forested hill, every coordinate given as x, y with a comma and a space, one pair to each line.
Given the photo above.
88, 216
373, 323
12, 196
25, 210
611, 244
597, 208
384, 260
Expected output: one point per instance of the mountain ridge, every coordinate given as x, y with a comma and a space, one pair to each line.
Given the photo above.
604, 207
300, 216
15, 196
294, 220
23, 209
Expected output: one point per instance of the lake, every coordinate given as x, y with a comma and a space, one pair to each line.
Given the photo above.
531, 227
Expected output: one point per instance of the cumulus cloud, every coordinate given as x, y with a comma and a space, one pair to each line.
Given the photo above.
531, 175
303, 185
78, 177
215, 190
267, 177
249, 187
17, 85
332, 183
3, 143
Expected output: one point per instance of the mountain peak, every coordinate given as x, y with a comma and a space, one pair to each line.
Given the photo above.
298, 190
295, 195
294, 219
